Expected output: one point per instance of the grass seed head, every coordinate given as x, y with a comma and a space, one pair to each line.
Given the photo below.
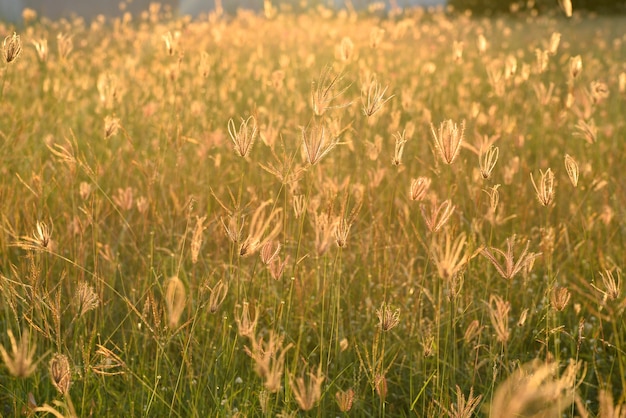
60, 373
345, 399
545, 188
12, 47
448, 139
19, 361
175, 300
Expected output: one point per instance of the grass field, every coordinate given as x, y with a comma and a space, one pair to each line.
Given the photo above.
322, 214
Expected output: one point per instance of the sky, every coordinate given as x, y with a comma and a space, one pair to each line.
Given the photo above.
11, 9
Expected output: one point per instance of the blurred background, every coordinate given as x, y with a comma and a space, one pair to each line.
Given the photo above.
11, 10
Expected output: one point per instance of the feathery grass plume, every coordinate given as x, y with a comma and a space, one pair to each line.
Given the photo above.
376, 37
439, 214
566, 6
372, 96
243, 139
575, 67
487, 161
399, 150
345, 399
612, 286
245, 325
553, 45
326, 90
342, 231
60, 373
448, 255
65, 45
196, 239
448, 139
218, 294
510, 268
41, 239
499, 314
587, 130
307, 393
536, 390
346, 49
11, 47
571, 167
464, 408
258, 235
473, 331
20, 362
380, 385
269, 359
545, 190
299, 203
41, 47
387, 319
559, 298
270, 251
175, 300
599, 91
419, 188
111, 126
86, 298
317, 142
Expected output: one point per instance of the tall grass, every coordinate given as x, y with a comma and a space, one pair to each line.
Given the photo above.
314, 214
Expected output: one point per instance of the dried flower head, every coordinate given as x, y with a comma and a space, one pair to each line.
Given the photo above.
499, 314
387, 319
12, 47
438, 215
571, 166
307, 393
60, 373
419, 188
487, 161
559, 298
510, 267
448, 254
545, 189
175, 300
20, 361
244, 138
448, 139
345, 399
372, 96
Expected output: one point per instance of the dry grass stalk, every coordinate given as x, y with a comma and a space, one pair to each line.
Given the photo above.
510, 268
612, 285
258, 235
110, 363
448, 139
269, 252
41, 47
175, 300
307, 393
20, 361
587, 130
575, 67
536, 390
269, 359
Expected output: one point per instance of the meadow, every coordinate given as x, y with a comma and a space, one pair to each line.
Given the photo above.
314, 214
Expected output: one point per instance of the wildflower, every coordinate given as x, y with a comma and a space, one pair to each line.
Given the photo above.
448, 139
244, 138
510, 268
20, 361
12, 47
60, 373
545, 190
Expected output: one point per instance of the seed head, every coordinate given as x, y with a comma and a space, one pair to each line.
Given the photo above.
175, 300
487, 161
244, 138
20, 361
387, 319
12, 47
60, 373
572, 169
545, 189
448, 139
345, 399
419, 188
575, 66
559, 298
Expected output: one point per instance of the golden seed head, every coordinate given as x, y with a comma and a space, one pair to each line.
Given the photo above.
487, 161
218, 294
419, 188
559, 298
345, 399
545, 188
555, 40
111, 126
60, 373
346, 49
448, 139
20, 361
307, 392
571, 166
175, 300
196, 239
86, 297
245, 324
244, 138
12, 47
499, 314
387, 319
575, 66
